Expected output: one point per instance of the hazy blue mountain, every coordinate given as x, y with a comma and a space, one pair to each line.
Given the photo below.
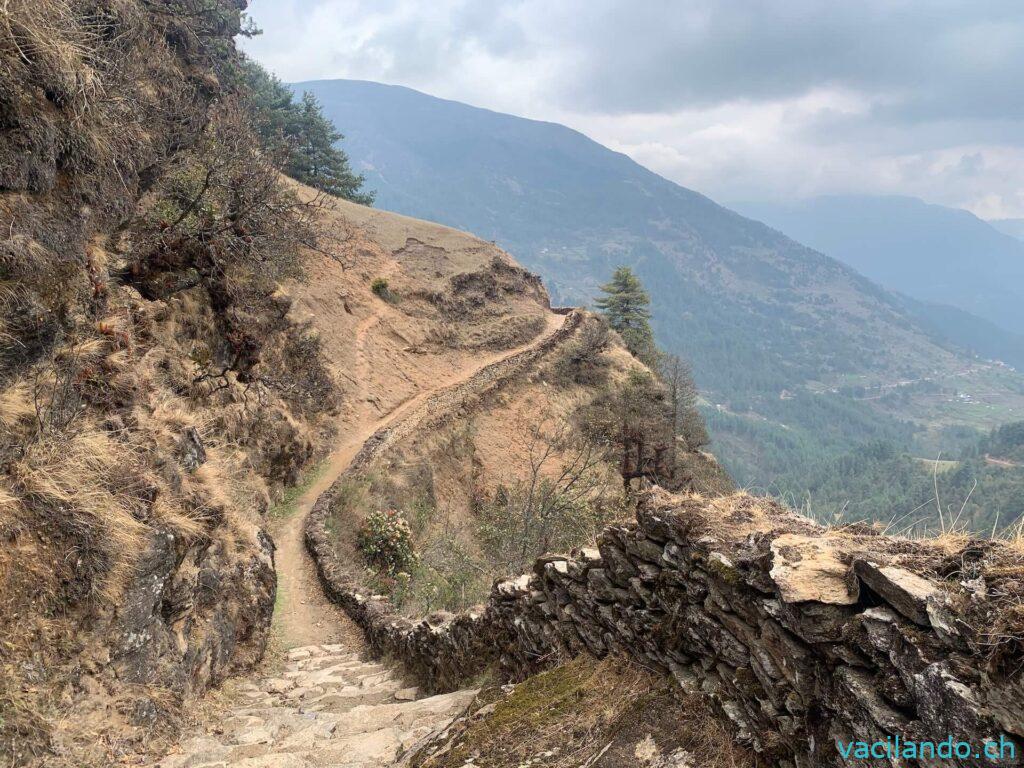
776, 331
968, 331
929, 252
1011, 227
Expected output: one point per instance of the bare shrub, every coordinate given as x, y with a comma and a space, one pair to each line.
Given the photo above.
221, 221
682, 395
562, 502
96, 95
636, 419
655, 432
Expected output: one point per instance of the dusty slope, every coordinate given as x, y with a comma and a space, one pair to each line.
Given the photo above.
327, 702
303, 615
456, 305
452, 296
506, 433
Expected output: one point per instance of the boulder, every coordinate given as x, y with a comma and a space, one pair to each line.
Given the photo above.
807, 569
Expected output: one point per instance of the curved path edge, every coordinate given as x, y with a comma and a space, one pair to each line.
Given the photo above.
388, 633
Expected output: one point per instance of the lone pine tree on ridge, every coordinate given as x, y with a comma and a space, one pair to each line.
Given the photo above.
626, 306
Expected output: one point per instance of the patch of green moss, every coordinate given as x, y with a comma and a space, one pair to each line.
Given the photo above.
539, 702
288, 503
543, 698
726, 573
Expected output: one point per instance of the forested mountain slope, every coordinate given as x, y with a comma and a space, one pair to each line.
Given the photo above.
770, 326
929, 252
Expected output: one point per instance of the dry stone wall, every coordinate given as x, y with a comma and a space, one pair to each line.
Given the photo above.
803, 637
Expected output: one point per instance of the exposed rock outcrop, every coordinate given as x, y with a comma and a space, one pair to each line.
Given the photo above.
194, 615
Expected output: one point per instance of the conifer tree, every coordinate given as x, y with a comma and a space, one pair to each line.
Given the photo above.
626, 304
300, 130
317, 161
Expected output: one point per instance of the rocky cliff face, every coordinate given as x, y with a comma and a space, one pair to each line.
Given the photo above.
803, 637
135, 571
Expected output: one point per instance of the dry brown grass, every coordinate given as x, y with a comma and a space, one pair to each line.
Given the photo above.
16, 405
64, 48
82, 498
80, 479
588, 713
53, 36
9, 503
93, 396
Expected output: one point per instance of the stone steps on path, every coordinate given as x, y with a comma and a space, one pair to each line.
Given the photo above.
326, 709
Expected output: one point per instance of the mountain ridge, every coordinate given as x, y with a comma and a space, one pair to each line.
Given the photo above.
1011, 227
756, 313
930, 252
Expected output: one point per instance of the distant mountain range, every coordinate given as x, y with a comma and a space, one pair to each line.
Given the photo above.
931, 253
1011, 227
775, 330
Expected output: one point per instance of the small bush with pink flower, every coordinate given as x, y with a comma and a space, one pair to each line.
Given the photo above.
385, 539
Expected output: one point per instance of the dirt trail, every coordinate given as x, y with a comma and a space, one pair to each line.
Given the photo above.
304, 616
1005, 463
327, 707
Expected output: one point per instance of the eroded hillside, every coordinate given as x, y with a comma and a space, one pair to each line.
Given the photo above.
521, 459
400, 304
135, 571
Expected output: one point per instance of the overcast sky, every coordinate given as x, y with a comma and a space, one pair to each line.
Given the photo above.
739, 99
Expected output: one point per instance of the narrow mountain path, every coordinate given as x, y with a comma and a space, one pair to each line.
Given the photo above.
1005, 463
327, 707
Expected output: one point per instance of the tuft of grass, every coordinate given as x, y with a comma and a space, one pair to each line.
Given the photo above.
81, 481
17, 405
288, 503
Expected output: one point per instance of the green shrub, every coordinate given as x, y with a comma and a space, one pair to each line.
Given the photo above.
381, 288
385, 539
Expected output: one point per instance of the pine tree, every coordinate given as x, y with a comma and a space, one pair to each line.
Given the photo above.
300, 131
626, 304
317, 161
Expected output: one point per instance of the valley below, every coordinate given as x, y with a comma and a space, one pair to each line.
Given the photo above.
802, 358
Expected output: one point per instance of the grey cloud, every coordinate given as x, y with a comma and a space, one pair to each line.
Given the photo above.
931, 81
935, 58
931, 56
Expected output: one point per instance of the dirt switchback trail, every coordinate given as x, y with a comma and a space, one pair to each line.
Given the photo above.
304, 615
323, 705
